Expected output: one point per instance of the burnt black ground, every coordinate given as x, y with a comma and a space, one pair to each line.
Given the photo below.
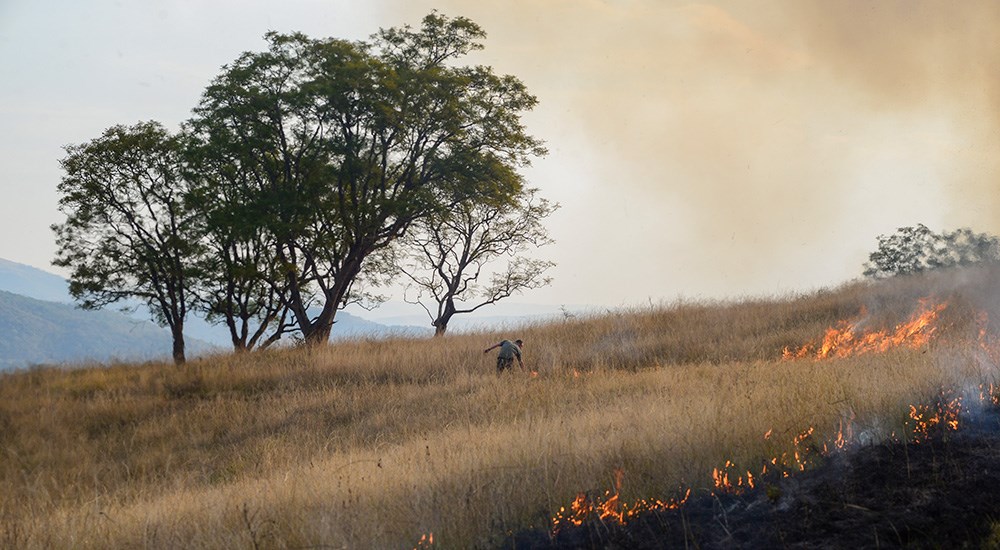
942, 493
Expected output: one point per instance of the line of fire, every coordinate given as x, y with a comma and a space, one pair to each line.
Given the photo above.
932, 321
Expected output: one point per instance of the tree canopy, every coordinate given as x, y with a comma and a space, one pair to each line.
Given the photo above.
127, 233
302, 165
450, 254
340, 146
917, 249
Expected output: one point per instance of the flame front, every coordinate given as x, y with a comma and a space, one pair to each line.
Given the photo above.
843, 340
926, 422
729, 479
846, 338
930, 419
609, 507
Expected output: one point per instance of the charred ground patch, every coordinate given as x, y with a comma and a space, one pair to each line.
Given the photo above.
940, 493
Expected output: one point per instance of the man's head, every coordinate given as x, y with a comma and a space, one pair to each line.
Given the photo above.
520, 343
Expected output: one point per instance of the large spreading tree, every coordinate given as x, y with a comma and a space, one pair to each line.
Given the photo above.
341, 145
238, 283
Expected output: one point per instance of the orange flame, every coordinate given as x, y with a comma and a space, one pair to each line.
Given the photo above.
609, 507
843, 340
847, 339
844, 436
735, 485
729, 479
989, 394
426, 541
928, 419
732, 480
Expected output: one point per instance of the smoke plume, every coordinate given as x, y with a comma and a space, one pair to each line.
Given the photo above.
752, 147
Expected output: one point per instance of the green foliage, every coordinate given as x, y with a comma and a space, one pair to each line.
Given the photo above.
127, 232
337, 147
302, 165
916, 249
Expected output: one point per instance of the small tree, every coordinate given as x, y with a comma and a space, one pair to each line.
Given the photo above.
127, 232
450, 254
917, 249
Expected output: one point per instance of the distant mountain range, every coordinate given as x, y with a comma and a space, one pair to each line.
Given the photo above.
33, 282
42, 332
39, 324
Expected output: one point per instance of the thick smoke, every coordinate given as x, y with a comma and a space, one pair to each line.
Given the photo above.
744, 147
921, 58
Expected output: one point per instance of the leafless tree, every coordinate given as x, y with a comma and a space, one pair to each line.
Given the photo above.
450, 256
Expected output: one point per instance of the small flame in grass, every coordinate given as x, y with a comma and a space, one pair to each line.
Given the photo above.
733, 481
989, 394
846, 338
845, 434
609, 507
931, 419
426, 541
803, 448
739, 483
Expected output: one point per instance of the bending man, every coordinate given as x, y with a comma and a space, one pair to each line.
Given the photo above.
508, 351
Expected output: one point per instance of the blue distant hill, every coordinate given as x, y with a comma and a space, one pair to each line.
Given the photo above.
42, 332
39, 323
33, 282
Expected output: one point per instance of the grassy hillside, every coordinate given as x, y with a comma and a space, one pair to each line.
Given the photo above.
384, 443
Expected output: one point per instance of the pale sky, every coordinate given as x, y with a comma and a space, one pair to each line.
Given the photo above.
699, 150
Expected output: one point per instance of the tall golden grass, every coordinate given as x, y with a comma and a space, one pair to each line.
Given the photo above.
376, 443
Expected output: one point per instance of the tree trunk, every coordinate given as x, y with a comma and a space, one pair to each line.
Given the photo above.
320, 334
178, 334
319, 330
441, 323
440, 327
239, 344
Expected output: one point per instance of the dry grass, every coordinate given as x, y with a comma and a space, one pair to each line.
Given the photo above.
372, 444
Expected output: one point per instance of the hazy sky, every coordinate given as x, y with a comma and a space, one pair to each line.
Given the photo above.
710, 149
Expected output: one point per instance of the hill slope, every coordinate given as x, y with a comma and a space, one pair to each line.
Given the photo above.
33, 282
390, 444
39, 284
37, 331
